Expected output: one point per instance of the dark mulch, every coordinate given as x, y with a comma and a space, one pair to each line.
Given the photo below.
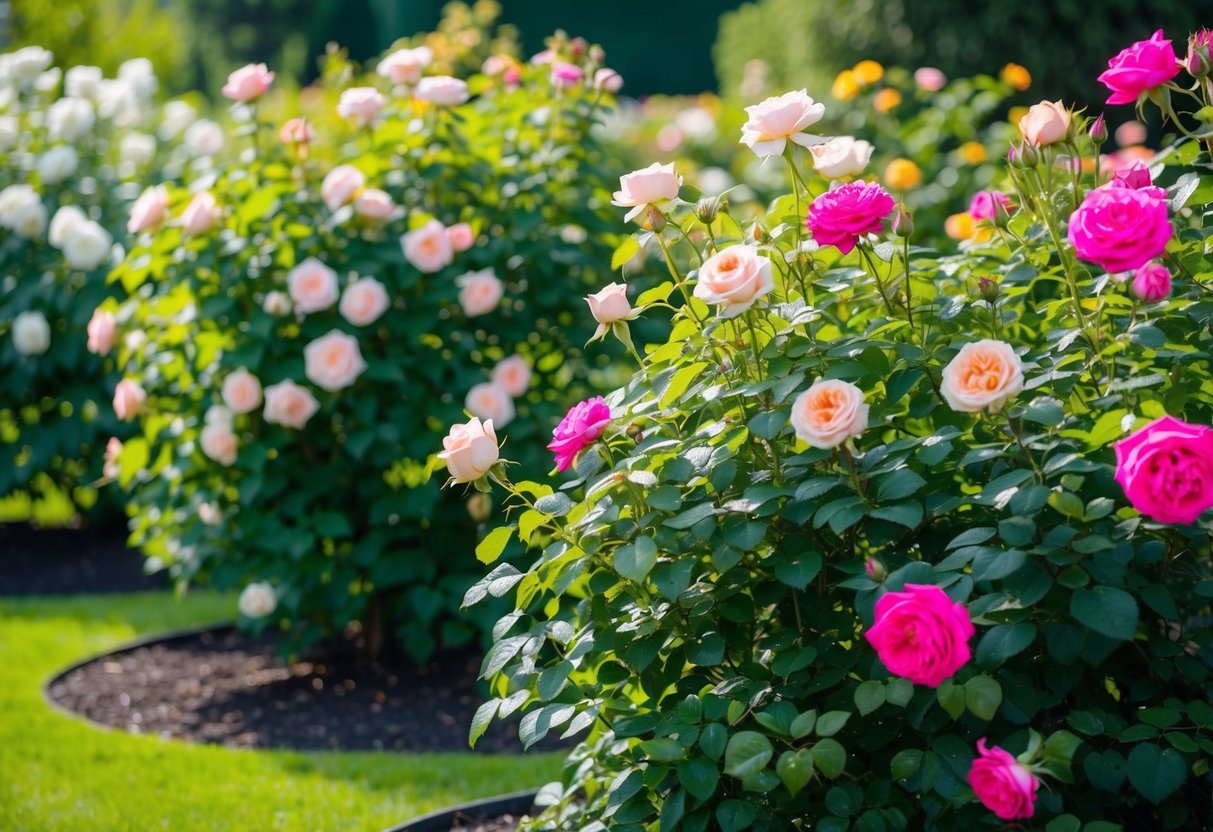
70, 562
225, 688
505, 823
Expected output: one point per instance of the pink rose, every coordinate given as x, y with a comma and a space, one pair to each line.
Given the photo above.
1045, 123
333, 362
841, 216
362, 105
149, 210
1151, 282
201, 215
565, 74
734, 279
113, 450
102, 330
1002, 783
1120, 229
373, 204
641, 188
989, 205
470, 450
1166, 470
404, 66
248, 83
841, 156
460, 236
921, 635
608, 80
1140, 68
513, 375
930, 79
610, 304
442, 90
829, 413
295, 131
289, 405
479, 292
313, 286
773, 122
341, 185
428, 248
364, 301
242, 391
129, 399
1135, 177
488, 402
496, 64
219, 443
512, 76
579, 429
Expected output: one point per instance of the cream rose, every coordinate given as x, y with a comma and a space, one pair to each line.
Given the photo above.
364, 301
201, 215
277, 304
257, 600
774, 121
513, 375
470, 450
129, 399
82, 81
137, 148
312, 285
333, 362
204, 138
57, 164
428, 248
219, 443
31, 333
86, 245
66, 217
289, 405
341, 185
488, 402
102, 332
404, 66
149, 210
362, 105
70, 119
442, 90
461, 236
829, 413
841, 156
643, 187
479, 292
610, 304
209, 514
242, 391
1045, 123
734, 279
982, 376
373, 204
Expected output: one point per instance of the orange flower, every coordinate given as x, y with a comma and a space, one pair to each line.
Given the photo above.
886, 100
1017, 76
868, 72
982, 376
846, 85
902, 175
973, 153
960, 226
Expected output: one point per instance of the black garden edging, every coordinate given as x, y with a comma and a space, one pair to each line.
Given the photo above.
481, 810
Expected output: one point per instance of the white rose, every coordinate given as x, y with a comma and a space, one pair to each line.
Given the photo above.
70, 119
442, 90
86, 245
118, 103
258, 600
277, 304
209, 514
10, 131
57, 164
841, 156
31, 333
775, 121
178, 115
29, 220
19, 207
137, 148
404, 66
204, 138
66, 217
140, 75
47, 81
82, 81
25, 64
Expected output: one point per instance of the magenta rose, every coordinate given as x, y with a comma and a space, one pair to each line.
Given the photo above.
1151, 282
1166, 470
841, 216
921, 635
579, 429
1002, 783
1120, 228
1140, 68
987, 205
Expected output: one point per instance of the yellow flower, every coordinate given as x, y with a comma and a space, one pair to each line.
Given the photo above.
886, 99
973, 153
960, 226
846, 85
902, 175
1015, 114
1017, 76
868, 72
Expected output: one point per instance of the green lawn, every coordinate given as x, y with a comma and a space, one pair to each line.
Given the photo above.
60, 773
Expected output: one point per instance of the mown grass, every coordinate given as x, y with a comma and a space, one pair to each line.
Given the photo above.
58, 772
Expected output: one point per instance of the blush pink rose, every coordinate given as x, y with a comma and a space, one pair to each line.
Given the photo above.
442, 90
428, 248
460, 236
113, 450
989, 205
341, 186
333, 362
641, 188
149, 210
1139, 68
1166, 470
1045, 123
921, 635
362, 105
289, 405
775, 121
1120, 229
734, 279
364, 301
829, 413
295, 131
102, 331
1002, 783
1151, 282
312, 285
479, 292
610, 304
579, 429
470, 451
565, 74
608, 80
513, 375
241, 391
841, 216
201, 215
404, 66
488, 402
219, 443
373, 204
930, 79
248, 83
129, 399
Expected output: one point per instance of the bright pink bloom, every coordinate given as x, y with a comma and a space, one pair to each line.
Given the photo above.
929, 78
921, 635
565, 74
579, 429
1151, 282
1002, 783
1166, 470
1136, 176
987, 205
1120, 228
841, 216
1140, 68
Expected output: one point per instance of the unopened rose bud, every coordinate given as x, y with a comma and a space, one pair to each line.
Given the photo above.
1198, 62
597, 54
1013, 156
1098, 131
758, 233
1029, 155
988, 289
635, 432
903, 224
874, 569
480, 506
654, 219
709, 207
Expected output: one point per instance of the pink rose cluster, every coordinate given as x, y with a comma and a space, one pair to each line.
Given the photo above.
841, 216
579, 429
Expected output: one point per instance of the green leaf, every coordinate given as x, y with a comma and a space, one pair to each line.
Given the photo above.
713, 739
903, 482
747, 752
1106, 610
494, 544
983, 695
626, 250
663, 750
795, 769
699, 777
680, 381
803, 724
768, 425
1106, 771
554, 505
480, 721
1059, 751
691, 516
1155, 772
952, 697
900, 692
635, 560
908, 514
905, 763
1004, 641
869, 696
829, 757
831, 722
735, 815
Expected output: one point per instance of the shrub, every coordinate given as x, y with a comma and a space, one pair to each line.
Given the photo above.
889, 538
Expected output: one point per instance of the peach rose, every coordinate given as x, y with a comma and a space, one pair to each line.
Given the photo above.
513, 375
149, 210
219, 443
772, 123
257, 600
470, 450
113, 450
641, 188
373, 204
479, 292
248, 83
201, 214
610, 304
333, 361
129, 399
313, 286
734, 278
461, 236
295, 131
829, 413
341, 185
428, 248
404, 66
102, 330
982, 376
442, 90
1045, 123
289, 405
488, 402
363, 301
362, 105
242, 391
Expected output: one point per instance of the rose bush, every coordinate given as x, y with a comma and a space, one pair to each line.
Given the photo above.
408, 247
918, 540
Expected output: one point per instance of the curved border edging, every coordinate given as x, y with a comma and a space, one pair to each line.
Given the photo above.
517, 803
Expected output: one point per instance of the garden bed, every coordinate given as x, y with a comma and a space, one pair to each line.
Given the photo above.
495, 814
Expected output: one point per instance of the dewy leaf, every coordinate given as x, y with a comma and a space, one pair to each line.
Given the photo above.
747, 752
